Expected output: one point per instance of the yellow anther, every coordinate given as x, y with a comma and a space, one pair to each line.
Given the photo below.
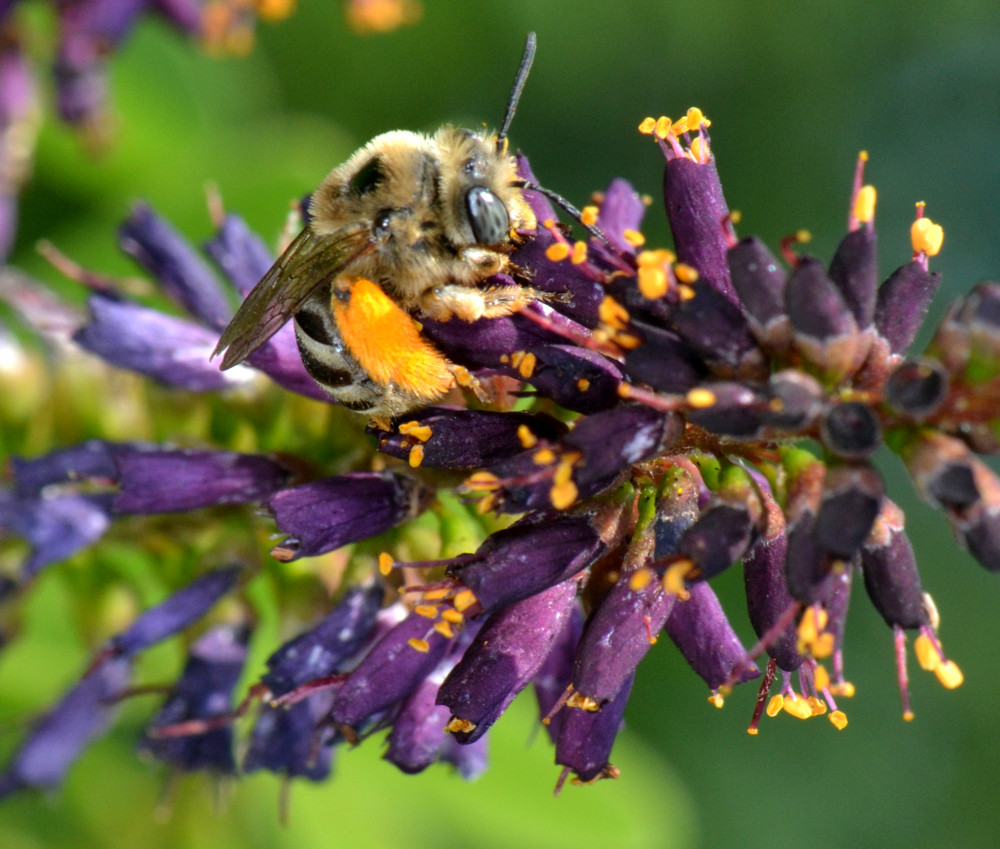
588, 216
696, 119
680, 126
797, 707
927, 653
685, 293
674, 577
700, 398
579, 700
864, 204
775, 705
640, 579
449, 614
564, 492
579, 254
583, 384
444, 629
863, 155
544, 457
926, 236
823, 645
817, 706
416, 456
803, 236
647, 125
557, 251
653, 282
698, 150
843, 690
428, 611
821, 678
435, 595
612, 313
663, 126
907, 716
685, 273
464, 599
716, 700
482, 481
385, 563
526, 368
460, 726
838, 719
420, 645
416, 431
633, 238
526, 437
949, 674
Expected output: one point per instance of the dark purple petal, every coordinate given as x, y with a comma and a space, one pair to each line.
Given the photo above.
716, 329
587, 737
854, 271
796, 399
506, 654
488, 342
556, 673
90, 460
718, 539
759, 281
852, 499
170, 481
58, 738
285, 741
902, 304
890, 570
663, 361
621, 209
170, 259
731, 409
175, 613
240, 254
168, 349
327, 514
851, 430
823, 327
697, 212
575, 378
699, 628
203, 692
325, 647
418, 731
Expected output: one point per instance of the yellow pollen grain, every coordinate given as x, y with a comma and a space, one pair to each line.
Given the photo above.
838, 719
416, 456
640, 579
927, 654
579, 254
798, 707
716, 700
444, 629
583, 384
588, 216
775, 705
821, 678
685, 293
633, 238
435, 595
451, 615
663, 127
864, 204
926, 236
482, 481
464, 599
459, 726
526, 437
612, 313
685, 273
385, 563
653, 282
428, 611
701, 398
579, 700
417, 431
421, 646
949, 675
526, 368
516, 357
557, 252
647, 125
544, 457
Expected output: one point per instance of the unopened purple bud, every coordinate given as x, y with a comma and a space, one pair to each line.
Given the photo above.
796, 399
85, 461
555, 675
851, 430
663, 360
182, 273
699, 628
851, 501
327, 514
759, 282
718, 539
285, 741
854, 271
203, 692
418, 731
240, 253
175, 613
506, 654
902, 304
728, 408
60, 736
587, 737
890, 571
718, 331
621, 209
579, 380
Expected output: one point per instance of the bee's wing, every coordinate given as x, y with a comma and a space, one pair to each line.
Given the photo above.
307, 263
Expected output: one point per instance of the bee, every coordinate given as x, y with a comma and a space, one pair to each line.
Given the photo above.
410, 225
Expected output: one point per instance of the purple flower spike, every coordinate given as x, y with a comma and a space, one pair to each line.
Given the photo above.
700, 629
391, 671
890, 570
455, 438
617, 637
902, 304
698, 213
59, 737
170, 481
183, 274
587, 737
203, 692
177, 612
506, 654
327, 514
167, 349
324, 648
240, 253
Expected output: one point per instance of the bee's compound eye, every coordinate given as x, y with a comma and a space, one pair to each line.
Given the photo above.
381, 222
487, 215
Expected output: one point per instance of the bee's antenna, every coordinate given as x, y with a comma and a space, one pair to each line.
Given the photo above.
571, 210
515, 92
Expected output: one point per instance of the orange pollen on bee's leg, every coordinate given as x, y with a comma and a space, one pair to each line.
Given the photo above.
387, 344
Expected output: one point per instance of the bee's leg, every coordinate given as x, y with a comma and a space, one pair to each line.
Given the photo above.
467, 380
468, 304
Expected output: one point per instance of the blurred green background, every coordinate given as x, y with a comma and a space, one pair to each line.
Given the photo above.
794, 91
